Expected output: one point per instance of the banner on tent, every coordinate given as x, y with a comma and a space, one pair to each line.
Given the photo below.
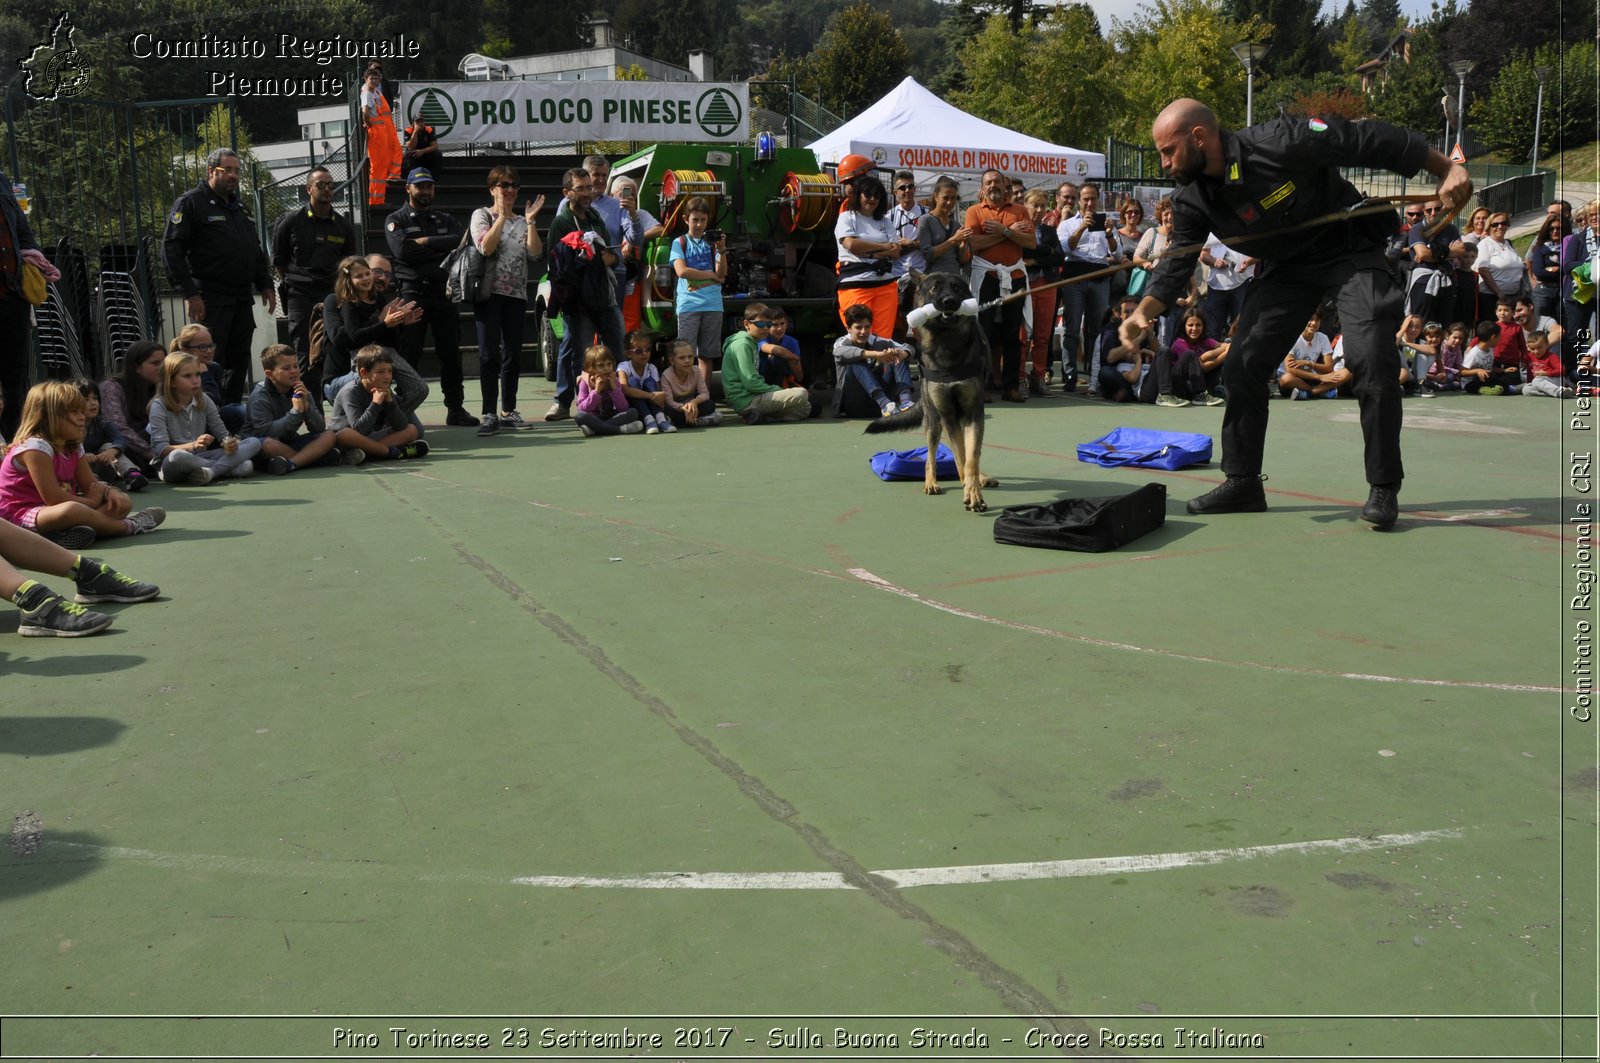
481, 112
976, 160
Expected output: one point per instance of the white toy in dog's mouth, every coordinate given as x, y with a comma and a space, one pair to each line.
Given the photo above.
920, 316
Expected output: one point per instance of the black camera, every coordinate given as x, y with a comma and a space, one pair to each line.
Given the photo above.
715, 236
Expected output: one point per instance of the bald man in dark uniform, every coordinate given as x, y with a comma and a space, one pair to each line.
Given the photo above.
1254, 184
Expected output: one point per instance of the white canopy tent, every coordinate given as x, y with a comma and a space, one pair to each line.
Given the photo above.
912, 129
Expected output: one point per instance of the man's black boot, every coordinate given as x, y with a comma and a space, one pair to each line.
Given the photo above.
1383, 506
1236, 494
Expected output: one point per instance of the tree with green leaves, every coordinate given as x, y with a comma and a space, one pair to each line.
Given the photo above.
1504, 118
1177, 48
859, 58
1008, 74
1293, 28
1410, 94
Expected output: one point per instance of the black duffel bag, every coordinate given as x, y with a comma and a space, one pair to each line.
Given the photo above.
1090, 525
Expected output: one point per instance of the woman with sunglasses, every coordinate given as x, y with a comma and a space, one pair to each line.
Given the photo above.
1500, 268
867, 252
510, 242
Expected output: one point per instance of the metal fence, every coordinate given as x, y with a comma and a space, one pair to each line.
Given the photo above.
1519, 194
101, 176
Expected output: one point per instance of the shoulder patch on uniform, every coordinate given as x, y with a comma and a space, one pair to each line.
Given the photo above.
1233, 172
391, 226
177, 217
1318, 125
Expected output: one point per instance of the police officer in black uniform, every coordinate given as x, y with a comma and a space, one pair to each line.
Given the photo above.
307, 244
420, 239
214, 258
1254, 183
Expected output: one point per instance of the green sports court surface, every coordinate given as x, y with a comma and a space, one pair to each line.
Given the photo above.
714, 738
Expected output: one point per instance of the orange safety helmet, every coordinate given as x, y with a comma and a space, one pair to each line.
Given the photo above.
853, 166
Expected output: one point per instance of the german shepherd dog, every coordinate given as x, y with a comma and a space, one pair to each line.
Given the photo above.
955, 359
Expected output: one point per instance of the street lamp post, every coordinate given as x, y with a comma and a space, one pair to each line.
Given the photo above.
1462, 68
1542, 73
1249, 54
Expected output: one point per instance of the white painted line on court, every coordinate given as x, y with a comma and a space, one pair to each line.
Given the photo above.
968, 614
977, 874
895, 878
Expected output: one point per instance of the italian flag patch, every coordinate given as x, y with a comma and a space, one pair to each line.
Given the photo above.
1319, 126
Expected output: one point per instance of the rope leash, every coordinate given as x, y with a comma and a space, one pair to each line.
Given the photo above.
1371, 205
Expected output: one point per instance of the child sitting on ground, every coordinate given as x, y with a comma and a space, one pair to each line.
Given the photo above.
868, 366
1547, 379
784, 367
1445, 373
187, 433
1416, 354
1125, 368
1477, 364
603, 408
282, 415
368, 420
46, 484
751, 397
1510, 349
1192, 352
46, 613
641, 382
1304, 370
688, 399
103, 444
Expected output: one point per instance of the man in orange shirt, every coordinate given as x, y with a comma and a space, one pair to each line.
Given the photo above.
1001, 231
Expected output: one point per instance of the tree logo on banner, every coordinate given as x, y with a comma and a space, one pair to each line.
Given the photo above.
718, 112
435, 108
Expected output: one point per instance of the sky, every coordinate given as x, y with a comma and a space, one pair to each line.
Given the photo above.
1123, 10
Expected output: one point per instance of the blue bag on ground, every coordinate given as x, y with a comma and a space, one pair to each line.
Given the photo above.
1147, 448
909, 464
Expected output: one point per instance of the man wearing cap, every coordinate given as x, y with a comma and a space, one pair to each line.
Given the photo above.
307, 244
214, 258
420, 239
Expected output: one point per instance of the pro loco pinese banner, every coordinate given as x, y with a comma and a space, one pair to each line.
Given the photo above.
481, 112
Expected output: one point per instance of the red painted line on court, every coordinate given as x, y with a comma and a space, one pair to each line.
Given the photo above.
847, 515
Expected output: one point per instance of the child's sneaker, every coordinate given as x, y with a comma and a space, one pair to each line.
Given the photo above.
513, 420
1491, 389
74, 538
134, 482
712, 419
668, 426
417, 448
201, 477
1333, 393
45, 613
146, 520
586, 430
352, 455
99, 582
751, 415
278, 465
1205, 398
243, 469
1171, 400
633, 428
652, 430
907, 402
886, 407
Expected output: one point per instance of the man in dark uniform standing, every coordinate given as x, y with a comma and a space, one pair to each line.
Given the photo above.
214, 259
16, 314
420, 239
307, 244
1257, 183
